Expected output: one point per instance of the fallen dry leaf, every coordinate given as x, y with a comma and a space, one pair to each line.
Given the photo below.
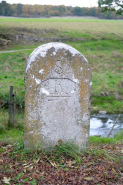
1, 160
63, 171
89, 178
113, 170
70, 163
27, 166
6, 180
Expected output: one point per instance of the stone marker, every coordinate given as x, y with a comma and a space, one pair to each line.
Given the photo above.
57, 97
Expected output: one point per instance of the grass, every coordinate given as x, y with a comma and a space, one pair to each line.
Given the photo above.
9, 134
15, 137
102, 46
65, 19
69, 149
110, 104
118, 138
95, 27
106, 65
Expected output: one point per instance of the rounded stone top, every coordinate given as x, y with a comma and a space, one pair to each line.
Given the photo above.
43, 49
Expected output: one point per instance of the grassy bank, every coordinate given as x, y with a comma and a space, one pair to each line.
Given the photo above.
106, 65
102, 45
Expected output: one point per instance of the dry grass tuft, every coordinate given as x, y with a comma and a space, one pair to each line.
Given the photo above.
104, 86
91, 57
120, 84
116, 54
6, 68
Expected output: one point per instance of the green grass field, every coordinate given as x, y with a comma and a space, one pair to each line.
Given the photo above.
72, 26
102, 46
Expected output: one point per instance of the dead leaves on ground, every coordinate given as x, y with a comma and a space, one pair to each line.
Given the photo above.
6, 180
43, 169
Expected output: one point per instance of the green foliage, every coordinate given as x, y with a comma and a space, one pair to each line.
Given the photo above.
111, 5
118, 138
109, 104
33, 182
68, 148
18, 176
96, 152
94, 139
13, 68
18, 180
19, 145
9, 134
3, 121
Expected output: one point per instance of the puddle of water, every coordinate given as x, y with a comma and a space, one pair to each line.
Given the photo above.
102, 124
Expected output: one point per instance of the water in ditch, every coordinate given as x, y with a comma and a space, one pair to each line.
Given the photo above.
101, 124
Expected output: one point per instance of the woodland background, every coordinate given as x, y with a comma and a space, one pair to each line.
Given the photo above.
20, 10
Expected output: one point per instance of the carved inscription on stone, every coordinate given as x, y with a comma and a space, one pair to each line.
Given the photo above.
60, 108
59, 87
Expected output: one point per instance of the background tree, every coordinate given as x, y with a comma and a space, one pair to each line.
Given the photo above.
112, 5
19, 9
77, 11
27, 10
5, 9
93, 12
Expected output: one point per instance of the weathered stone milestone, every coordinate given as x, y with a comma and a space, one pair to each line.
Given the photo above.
57, 96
